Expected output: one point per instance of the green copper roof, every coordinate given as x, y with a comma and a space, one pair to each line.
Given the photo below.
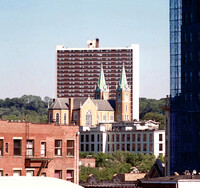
101, 82
123, 84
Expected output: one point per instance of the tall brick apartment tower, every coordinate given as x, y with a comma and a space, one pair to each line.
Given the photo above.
78, 70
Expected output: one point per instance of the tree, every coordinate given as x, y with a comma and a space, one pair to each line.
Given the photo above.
157, 117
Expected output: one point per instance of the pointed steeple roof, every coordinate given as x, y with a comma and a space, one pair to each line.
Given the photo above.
123, 84
101, 86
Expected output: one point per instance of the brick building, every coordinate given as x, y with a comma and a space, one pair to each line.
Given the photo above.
78, 70
28, 149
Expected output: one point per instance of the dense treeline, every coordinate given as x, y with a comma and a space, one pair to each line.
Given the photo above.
152, 109
118, 162
26, 108
34, 109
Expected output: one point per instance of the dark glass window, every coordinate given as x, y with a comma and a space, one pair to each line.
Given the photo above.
17, 147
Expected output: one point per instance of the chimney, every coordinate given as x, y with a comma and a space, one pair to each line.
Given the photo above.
71, 106
97, 43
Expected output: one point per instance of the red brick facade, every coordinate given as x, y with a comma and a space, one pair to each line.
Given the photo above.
46, 151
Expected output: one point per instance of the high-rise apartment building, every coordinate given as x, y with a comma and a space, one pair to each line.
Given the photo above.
78, 70
184, 126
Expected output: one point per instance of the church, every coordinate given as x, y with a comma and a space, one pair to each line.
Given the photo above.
90, 112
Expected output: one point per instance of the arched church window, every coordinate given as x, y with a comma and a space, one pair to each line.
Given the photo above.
119, 96
65, 118
57, 118
50, 118
126, 97
89, 118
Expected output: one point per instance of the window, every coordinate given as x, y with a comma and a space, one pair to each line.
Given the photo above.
87, 147
82, 138
57, 119
133, 137
104, 117
29, 148
70, 175
126, 97
58, 147
92, 147
126, 108
123, 147
58, 174
190, 57
118, 147
87, 138
65, 118
16, 172
89, 118
1, 172
29, 172
1, 147
17, 147
128, 137
43, 149
144, 137
6, 148
190, 37
113, 138
144, 147
185, 58
128, 147
185, 76
92, 137
119, 108
190, 77
119, 96
160, 137
111, 117
138, 138
150, 147
123, 137
139, 147
50, 117
119, 117
70, 147
151, 137
133, 147
117, 137
160, 147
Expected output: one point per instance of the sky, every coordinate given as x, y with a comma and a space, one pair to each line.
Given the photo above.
31, 29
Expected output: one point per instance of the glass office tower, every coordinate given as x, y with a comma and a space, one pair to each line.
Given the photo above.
184, 86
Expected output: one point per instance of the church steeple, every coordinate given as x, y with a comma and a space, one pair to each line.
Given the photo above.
101, 82
102, 91
123, 84
123, 99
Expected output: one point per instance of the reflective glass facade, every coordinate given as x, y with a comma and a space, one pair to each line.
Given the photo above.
184, 85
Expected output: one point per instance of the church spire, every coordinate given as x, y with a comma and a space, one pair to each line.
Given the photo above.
102, 90
101, 86
123, 84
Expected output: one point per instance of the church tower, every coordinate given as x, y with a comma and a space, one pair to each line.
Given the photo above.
123, 99
102, 91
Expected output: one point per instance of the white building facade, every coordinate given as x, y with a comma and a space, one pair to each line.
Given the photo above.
108, 141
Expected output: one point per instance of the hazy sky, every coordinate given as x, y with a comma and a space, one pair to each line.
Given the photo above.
31, 29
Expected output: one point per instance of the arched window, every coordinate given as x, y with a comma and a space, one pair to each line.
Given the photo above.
65, 118
50, 118
57, 118
119, 96
126, 97
89, 118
